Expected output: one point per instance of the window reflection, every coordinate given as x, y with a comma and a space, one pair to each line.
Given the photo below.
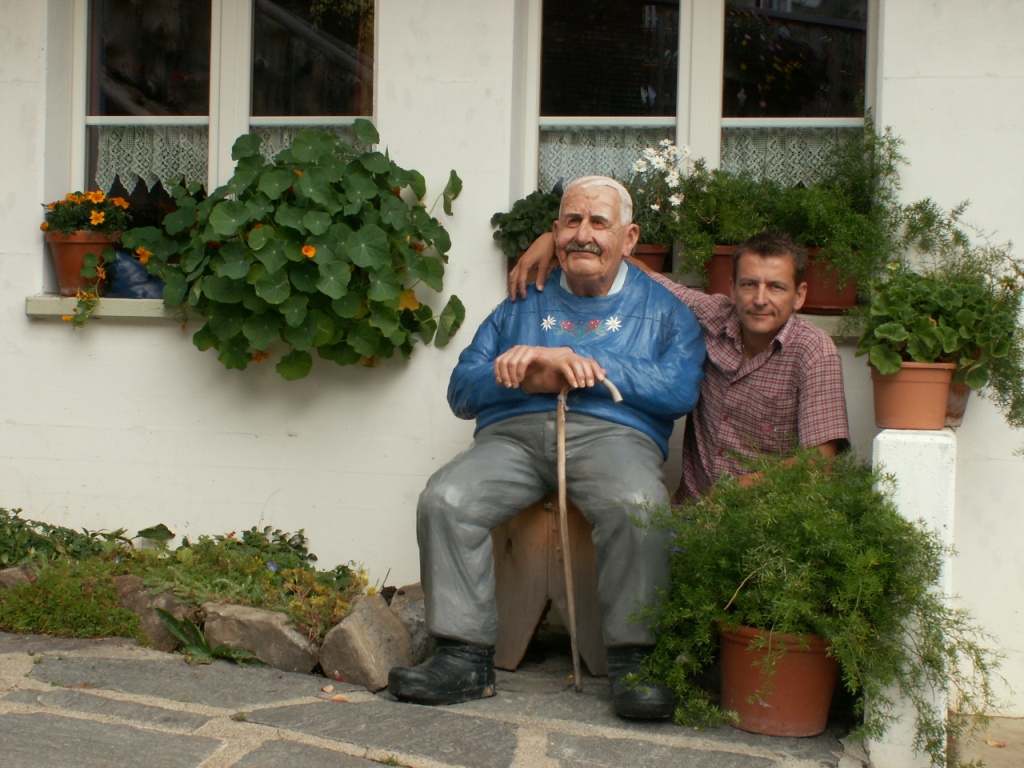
149, 58
312, 59
794, 58
609, 58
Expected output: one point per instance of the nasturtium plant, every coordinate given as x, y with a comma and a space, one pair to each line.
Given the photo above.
318, 250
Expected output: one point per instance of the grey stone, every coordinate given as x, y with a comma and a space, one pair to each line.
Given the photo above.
274, 754
443, 734
142, 714
134, 596
19, 574
366, 644
220, 684
408, 604
571, 750
42, 740
266, 633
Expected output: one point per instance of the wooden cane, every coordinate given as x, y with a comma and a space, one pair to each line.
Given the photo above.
563, 526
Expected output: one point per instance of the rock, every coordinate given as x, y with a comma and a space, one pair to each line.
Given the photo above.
407, 603
266, 633
20, 574
366, 644
139, 600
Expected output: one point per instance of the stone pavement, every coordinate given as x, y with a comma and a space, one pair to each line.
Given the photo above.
84, 703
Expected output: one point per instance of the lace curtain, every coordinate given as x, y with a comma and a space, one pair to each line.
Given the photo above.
568, 153
787, 155
165, 155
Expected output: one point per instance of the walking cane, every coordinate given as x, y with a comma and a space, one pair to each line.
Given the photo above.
563, 525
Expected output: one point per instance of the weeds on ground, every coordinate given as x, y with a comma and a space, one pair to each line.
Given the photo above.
75, 594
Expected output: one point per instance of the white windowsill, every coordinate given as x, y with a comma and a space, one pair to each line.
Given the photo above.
48, 306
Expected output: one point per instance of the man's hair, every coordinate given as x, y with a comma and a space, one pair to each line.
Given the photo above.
773, 243
625, 201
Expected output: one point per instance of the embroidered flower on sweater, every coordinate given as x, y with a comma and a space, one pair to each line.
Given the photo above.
581, 329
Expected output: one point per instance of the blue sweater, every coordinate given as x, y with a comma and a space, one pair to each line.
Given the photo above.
648, 341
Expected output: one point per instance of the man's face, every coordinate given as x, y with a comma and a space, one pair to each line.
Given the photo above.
590, 241
766, 294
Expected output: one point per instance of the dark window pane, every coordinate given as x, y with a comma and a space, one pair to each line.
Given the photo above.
808, 61
304, 64
149, 58
609, 58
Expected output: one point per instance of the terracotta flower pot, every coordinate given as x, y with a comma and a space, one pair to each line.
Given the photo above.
823, 297
720, 270
654, 256
956, 406
915, 397
68, 254
795, 700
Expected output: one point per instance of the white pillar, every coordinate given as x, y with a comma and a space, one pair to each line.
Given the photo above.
924, 464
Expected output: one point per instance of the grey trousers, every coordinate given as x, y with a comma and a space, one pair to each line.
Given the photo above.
612, 474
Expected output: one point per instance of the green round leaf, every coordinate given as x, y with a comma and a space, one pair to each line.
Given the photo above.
334, 278
273, 183
274, 287
295, 365
228, 216
368, 247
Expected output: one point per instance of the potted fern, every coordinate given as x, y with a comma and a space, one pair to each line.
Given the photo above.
819, 548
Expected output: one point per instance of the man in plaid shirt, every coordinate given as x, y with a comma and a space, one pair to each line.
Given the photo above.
772, 380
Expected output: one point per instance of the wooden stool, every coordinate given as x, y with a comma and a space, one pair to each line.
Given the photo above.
529, 572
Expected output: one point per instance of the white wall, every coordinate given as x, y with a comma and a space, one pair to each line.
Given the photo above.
127, 425
952, 85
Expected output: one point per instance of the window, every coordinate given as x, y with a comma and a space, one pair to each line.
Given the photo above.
791, 77
624, 74
172, 84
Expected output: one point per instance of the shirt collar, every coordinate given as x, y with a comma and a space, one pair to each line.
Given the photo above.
620, 280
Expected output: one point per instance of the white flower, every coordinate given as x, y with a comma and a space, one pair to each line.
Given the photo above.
613, 324
640, 166
676, 200
548, 323
655, 207
650, 153
659, 163
673, 179
666, 143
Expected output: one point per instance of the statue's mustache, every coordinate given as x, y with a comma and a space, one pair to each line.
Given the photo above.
593, 248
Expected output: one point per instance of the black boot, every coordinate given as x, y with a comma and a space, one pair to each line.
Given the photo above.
640, 700
456, 672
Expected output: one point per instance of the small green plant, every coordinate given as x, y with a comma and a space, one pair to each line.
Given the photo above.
529, 218
70, 598
317, 250
656, 185
92, 211
197, 649
939, 317
819, 547
31, 541
265, 568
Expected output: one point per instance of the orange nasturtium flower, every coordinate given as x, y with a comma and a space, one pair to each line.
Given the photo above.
44, 226
143, 254
258, 357
95, 196
308, 251
96, 218
120, 202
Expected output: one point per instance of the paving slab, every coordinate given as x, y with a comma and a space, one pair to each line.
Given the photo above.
220, 684
441, 734
42, 740
278, 753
